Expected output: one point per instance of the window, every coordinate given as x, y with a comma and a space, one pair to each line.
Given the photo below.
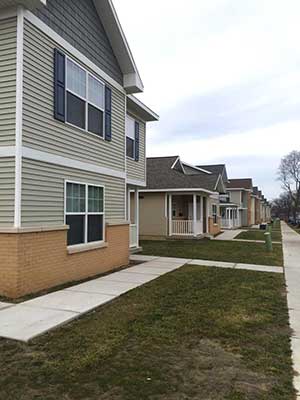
130, 137
85, 99
215, 213
84, 213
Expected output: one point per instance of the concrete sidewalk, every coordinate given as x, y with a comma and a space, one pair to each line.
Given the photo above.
229, 234
291, 256
32, 318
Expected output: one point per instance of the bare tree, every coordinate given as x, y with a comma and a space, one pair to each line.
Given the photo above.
282, 206
289, 176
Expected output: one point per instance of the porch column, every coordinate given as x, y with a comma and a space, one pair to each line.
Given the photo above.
170, 215
137, 214
128, 206
201, 213
195, 214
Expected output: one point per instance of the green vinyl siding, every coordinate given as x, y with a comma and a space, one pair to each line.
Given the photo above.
7, 191
8, 54
43, 193
42, 132
136, 169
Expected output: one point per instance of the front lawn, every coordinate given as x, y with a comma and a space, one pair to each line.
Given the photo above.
255, 234
199, 333
237, 252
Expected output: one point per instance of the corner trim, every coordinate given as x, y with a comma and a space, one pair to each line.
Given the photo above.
19, 116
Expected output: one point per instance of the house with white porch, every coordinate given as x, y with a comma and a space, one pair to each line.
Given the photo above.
180, 200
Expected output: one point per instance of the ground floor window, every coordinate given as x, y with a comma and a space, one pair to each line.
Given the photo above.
215, 213
84, 213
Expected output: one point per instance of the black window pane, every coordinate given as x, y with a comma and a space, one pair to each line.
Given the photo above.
75, 110
95, 228
129, 147
76, 231
95, 121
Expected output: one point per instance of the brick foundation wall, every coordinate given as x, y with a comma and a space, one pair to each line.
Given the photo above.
31, 262
212, 228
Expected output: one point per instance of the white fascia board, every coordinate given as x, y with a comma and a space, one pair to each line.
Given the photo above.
135, 182
113, 28
178, 190
7, 151
197, 168
139, 108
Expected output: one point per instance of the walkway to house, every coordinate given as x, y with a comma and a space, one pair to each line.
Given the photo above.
291, 256
32, 318
229, 234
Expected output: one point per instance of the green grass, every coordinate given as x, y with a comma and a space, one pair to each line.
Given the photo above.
197, 333
255, 234
237, 252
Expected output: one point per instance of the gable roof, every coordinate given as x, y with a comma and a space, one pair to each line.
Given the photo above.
216, 169
161, 176
113, 28
244, 183
107, 14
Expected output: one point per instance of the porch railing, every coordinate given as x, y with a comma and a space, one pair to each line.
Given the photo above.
182, 227
230, 223
133, 235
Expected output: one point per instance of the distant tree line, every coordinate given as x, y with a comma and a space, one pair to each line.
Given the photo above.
287, 205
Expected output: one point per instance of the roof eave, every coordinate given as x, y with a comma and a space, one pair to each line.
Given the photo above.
139, 108
132, 80
30, 4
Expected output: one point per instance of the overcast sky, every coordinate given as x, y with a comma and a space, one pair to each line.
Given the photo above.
224, 76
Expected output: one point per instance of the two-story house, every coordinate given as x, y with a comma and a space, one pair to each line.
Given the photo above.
237, 205
72, 142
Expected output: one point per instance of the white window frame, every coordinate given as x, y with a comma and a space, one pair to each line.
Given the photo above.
86, 213
134, 143
216, 214
87, 102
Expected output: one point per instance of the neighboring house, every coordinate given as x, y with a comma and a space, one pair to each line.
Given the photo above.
180, 200
72, 142
256, 195
236, 208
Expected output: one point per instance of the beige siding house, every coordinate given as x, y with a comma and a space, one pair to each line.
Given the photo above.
180, 200
72, 143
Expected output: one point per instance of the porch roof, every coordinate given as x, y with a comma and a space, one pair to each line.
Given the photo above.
161, 176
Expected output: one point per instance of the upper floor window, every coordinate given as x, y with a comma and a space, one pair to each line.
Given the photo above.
242, 197
84, 100
80, 98
84, 213
132, 138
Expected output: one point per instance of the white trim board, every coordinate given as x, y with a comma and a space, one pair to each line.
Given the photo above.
7, 151
177, 190
69, 48
19, 117
135, 182
70, 163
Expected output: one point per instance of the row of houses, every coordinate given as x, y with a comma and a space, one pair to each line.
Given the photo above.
74, 195
183, 200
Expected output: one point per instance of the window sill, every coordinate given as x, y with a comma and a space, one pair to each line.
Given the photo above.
80, 248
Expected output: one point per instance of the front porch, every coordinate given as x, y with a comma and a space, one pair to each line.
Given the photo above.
230, 217
187, 215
